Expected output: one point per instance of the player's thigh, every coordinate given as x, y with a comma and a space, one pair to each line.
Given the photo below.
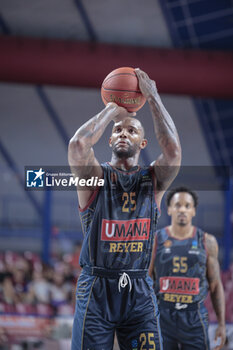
94, 338
168, 329
169, 344
196, 345
90, 330
198, 341
194, 331
146, 336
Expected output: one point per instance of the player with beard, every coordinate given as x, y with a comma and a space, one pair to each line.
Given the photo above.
185, 266
114, 291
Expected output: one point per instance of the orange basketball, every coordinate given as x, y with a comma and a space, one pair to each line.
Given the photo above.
121, 86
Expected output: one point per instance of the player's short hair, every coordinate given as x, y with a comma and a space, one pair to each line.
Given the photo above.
173, 191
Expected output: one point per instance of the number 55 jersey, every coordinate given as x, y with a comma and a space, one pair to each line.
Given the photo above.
180, 266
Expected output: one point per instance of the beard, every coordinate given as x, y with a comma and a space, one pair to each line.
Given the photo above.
182, 223
124, 153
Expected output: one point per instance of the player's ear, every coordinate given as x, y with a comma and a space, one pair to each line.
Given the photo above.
110, 142
194, 211
169, 211
144, 143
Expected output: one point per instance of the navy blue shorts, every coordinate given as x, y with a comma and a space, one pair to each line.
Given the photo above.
188, 328
103, 308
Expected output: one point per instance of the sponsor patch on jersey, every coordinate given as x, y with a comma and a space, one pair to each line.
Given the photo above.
194, 245
176, 298
194, 248
125, 230
196, 252
125, 247
167, 243
179, 285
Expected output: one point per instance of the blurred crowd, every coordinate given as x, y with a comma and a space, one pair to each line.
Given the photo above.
29, 286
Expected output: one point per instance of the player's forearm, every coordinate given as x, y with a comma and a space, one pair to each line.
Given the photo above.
90, 132
218, 301
165, 130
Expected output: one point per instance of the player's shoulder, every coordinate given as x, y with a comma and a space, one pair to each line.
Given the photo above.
162, 231
211, 243
210, 238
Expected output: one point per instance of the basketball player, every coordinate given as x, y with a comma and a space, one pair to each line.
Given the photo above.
114, 292
185, 262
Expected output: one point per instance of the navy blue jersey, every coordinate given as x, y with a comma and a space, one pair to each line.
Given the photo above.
119, 221
180, 266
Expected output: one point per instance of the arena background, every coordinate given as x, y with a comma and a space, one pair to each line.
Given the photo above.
54, 55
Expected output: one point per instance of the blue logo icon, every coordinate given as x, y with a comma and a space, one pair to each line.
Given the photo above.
194, 244
35, 178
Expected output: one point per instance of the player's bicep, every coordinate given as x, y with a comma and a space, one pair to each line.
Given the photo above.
85, 168
213, 268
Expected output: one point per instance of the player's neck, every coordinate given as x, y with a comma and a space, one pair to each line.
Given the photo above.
124, 164
181, 232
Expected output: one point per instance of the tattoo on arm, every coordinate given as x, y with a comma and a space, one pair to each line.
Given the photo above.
94, 128
214, 279
80, 147
168, 163
164, 126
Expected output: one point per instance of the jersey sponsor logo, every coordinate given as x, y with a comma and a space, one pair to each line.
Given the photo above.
167, 246
180, 306
194, 244
167, 243
179, 285
126, 247
196, 252
125, 230
194, 248
176, 298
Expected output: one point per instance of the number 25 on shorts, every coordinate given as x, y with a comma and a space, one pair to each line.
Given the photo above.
147, 339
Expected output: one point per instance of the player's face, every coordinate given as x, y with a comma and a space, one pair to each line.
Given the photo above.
181, 208
127, 138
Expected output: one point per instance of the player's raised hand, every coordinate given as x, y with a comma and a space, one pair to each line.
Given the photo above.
147, 86
121, 112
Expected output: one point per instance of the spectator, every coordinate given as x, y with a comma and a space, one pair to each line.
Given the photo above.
8, 291
39, 289
60, 290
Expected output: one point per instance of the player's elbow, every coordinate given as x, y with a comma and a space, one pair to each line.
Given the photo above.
174, 154
76, 146
213, 286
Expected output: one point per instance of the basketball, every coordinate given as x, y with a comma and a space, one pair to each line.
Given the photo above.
121, 87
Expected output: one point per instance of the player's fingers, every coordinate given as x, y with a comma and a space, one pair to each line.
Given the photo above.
132, 114
111, 104
221, 344
140, 73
